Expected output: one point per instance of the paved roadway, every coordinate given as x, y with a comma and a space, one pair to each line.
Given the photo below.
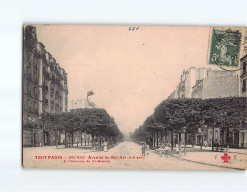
124, 149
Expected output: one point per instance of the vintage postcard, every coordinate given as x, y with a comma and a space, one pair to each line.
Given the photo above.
134, 97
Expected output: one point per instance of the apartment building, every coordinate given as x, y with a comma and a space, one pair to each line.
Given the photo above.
45, 89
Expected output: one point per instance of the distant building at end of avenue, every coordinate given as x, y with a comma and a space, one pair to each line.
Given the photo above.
79, 103
206, 83
45, 89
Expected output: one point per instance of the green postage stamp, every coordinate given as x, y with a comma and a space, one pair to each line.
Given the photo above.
225, 47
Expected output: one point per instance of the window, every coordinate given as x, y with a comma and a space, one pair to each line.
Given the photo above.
29, 73
35, 76
35, 92
35, 63
244, 68
36, 107
29, 103
29, 89
244, 86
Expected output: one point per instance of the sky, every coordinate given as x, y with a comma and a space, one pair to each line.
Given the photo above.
131, 72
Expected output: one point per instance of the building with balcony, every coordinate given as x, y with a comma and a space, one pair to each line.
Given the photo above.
45, 89
243, 93
188, 79
243, 76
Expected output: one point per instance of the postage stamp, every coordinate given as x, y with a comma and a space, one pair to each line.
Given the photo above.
225, 47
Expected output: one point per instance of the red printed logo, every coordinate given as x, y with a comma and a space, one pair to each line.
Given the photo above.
225, 158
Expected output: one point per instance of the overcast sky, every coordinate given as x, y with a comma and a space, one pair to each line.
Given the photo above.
131, 72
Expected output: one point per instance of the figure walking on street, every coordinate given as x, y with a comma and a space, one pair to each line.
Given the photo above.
105, 146
143, 150
177, 149
147, 149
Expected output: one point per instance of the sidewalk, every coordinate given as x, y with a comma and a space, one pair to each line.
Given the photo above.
237, 157
231, 150
236, 161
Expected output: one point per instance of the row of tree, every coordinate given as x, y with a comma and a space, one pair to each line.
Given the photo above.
190, 116
95, 122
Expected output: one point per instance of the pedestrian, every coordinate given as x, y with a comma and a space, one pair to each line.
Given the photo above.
166, 151
205, 143
105, 146
143, 150
147, 149
97, 145
93, 144
177, 149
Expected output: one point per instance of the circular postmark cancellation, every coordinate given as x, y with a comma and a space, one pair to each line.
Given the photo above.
225, 47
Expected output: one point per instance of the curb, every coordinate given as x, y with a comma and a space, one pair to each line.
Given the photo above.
206, 163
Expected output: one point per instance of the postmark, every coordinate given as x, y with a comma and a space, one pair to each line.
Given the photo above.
225, 47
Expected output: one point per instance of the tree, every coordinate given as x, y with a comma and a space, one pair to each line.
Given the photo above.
171, 114
231, 115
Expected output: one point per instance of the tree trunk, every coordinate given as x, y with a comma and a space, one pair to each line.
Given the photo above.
85, 137
179, 142
72, 139
77, 139
161, 137
157, 138
153, 139
56, 138
213, 138
65, 139
100, 141
227, 139
81, 137
185, 142
201, 140
171, 140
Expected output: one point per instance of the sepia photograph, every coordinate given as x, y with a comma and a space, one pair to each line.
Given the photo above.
134, 97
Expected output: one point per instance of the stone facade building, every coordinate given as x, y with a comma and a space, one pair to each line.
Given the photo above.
44, 90
80, 103
216, 84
